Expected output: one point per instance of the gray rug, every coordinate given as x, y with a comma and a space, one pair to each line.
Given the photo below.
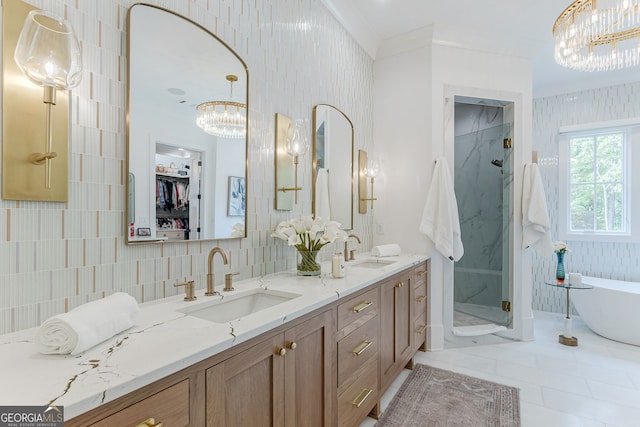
437, 398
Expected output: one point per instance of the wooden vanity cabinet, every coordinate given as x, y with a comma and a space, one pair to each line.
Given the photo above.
357, 357
327, 368
286, 380
396, 326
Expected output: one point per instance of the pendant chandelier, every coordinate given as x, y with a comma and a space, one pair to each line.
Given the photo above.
598, 35
225, 119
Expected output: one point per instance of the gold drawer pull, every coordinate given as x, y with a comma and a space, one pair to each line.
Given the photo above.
399, 284
421, 298
421, 272
358, 308
364, 394
421, 329
281, 352
362, 347
149, 422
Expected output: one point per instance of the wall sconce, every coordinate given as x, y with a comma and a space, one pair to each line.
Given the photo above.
47, 52
291, 144
367, 168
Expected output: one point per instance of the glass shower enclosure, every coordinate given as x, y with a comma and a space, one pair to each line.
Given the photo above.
483, 178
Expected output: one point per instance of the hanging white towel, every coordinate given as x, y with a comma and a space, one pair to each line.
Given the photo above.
87, 325
535, 217
323, 206
440, 219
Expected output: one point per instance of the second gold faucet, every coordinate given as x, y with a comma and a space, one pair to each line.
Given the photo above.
228, 282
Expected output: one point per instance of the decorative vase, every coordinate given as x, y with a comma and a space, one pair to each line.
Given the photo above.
560, 268
308, 264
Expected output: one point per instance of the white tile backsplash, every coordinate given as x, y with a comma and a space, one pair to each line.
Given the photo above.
55, 256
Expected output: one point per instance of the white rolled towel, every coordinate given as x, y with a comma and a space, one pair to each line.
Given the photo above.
392, 249
87, 325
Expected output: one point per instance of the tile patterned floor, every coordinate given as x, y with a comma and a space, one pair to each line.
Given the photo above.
596, 384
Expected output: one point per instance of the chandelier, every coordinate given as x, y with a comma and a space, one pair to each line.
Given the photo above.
225, 119
598, 35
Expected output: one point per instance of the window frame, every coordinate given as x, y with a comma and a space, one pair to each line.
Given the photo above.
631, 156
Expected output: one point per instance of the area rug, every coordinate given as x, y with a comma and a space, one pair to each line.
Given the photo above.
432, 397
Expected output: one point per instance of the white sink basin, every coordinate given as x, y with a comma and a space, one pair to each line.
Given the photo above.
372, 263
234, 306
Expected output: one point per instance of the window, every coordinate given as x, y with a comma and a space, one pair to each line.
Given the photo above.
596, 184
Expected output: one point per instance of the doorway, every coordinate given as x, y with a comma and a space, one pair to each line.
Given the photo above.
483, 180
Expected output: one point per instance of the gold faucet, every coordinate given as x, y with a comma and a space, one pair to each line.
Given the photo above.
210, 278
346, 250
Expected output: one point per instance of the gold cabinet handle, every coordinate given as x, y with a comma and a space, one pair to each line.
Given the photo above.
149, 422
399, 284
364, 394
358, 308
421, 298
421, 329
421, 272
282, 352
362, 347
293, 345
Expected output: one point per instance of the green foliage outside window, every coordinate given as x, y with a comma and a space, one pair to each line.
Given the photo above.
596, 182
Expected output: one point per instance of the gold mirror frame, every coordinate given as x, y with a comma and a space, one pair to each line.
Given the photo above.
217, 212
328, 146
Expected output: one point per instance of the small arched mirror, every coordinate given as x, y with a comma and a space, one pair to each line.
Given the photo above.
333, 165
187, 131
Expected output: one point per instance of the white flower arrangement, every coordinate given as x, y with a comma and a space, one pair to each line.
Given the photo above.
560, 247
309, 234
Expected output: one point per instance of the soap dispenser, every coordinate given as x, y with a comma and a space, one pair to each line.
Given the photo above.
337, 265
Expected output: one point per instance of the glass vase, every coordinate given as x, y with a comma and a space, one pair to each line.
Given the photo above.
560, 268
307, 263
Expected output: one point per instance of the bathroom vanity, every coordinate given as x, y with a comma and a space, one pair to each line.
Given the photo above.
324, 356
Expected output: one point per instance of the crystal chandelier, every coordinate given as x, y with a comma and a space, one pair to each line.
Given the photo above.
225, 119
598, 35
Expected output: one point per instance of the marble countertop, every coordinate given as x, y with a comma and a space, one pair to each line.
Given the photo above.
122, 363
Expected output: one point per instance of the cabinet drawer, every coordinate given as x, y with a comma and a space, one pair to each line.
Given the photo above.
169, 406
360, 397
420, 275
171, 234
420, 300
357, 348
356, 311
419, 331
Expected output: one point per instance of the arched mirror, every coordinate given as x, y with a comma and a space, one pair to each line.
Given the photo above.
333, 165
187, 131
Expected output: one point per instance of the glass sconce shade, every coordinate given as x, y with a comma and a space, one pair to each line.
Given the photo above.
48, 51
297, 141
372, 169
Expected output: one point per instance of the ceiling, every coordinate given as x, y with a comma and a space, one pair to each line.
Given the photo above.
517, 27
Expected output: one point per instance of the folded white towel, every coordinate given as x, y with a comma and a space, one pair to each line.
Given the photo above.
535, 217
323, 206
87, 325
440, 219
392, 249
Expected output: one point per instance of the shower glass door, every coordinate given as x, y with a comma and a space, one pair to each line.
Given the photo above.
483, 181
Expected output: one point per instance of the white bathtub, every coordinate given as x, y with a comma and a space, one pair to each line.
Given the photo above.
610, 309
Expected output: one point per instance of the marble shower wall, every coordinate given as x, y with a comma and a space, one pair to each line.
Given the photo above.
478, 188
620, 261
55, 256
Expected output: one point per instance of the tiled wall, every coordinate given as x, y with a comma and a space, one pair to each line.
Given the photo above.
620, 261
55, 256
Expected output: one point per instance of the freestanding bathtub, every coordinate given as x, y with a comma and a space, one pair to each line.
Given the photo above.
611, 309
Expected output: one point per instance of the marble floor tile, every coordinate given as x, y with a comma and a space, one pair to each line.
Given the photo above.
596, 384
